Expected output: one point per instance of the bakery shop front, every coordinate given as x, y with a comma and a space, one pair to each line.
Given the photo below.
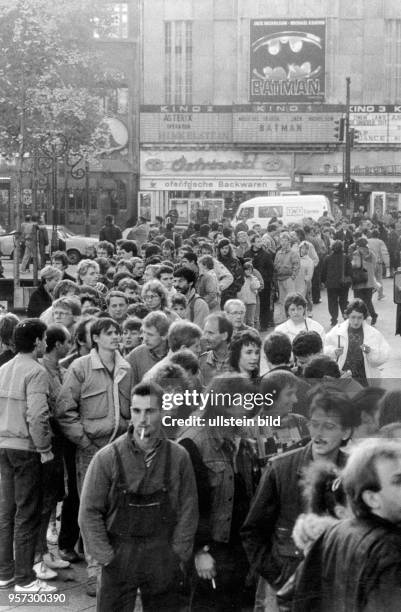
204, 184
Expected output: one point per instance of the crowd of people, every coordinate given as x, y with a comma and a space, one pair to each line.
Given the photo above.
172, 414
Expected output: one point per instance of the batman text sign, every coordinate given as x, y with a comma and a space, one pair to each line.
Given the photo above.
287, 60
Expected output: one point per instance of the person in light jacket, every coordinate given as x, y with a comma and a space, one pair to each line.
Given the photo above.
357, 346
380, 251
249, 293
364, 258
93, 406
303, 280
286, 268
25, 452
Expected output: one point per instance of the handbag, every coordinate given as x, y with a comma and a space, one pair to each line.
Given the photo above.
359, 275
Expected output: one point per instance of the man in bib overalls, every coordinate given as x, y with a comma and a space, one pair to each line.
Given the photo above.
139, 512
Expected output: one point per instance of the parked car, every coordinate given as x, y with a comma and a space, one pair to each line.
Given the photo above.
75, 245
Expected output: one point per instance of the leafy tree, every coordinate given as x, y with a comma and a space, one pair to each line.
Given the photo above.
51, 73
52, 78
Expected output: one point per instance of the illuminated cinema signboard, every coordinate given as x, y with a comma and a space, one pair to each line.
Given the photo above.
298, 123
376, 123
287, 60
186, 123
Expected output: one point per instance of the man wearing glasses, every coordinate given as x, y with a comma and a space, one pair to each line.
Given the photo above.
267, 531
66, 311
235, 312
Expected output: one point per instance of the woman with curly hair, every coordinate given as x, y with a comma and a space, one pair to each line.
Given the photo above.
155, 296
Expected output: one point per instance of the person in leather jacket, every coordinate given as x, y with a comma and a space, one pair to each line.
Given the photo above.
267, 531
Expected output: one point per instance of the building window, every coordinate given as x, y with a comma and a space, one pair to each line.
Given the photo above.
114, 24
392, 59
115, 102
178, 62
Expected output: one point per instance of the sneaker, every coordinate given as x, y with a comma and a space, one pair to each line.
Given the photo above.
91, 585
381, 297
4, 584
53, 562
52, 534
37, 586
43, 572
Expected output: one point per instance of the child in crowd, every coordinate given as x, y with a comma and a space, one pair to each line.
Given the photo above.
207, 284
248, 293
179, 305
303, 281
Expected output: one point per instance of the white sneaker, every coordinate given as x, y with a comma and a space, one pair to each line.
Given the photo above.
52, 533
5, 584
37, 586
54, 562
43, 572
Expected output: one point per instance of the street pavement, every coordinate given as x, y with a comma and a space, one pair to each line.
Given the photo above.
72, 582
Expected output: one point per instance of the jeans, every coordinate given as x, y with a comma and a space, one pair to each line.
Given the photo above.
265, 314
145, 565
365, 294
20, 510
83, 459
379, 279
52, 475
231, 593
250, 310
337, 297
27, 256
69, 528
316, 284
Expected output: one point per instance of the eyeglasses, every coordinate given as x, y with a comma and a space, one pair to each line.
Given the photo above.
151, 296
61, 313
324, 425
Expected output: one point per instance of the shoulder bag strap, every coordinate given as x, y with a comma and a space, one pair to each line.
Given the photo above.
122, 478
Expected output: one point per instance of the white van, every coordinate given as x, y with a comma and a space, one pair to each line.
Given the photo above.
288, 208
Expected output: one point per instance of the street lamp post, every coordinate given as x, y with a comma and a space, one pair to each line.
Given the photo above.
50, 152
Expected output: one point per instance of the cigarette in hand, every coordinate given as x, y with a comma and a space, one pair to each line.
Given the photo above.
213, 583
142, 433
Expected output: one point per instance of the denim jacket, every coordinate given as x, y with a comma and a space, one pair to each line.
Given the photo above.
219, 459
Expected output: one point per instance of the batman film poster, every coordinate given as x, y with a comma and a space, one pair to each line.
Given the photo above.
287, 60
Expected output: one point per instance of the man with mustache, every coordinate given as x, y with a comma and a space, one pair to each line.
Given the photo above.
267, 531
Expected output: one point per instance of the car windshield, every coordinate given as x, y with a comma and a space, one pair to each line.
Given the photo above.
265, 212
62, 231
68, 233
247, 212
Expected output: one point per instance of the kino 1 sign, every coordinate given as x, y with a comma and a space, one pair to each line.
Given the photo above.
287, 60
